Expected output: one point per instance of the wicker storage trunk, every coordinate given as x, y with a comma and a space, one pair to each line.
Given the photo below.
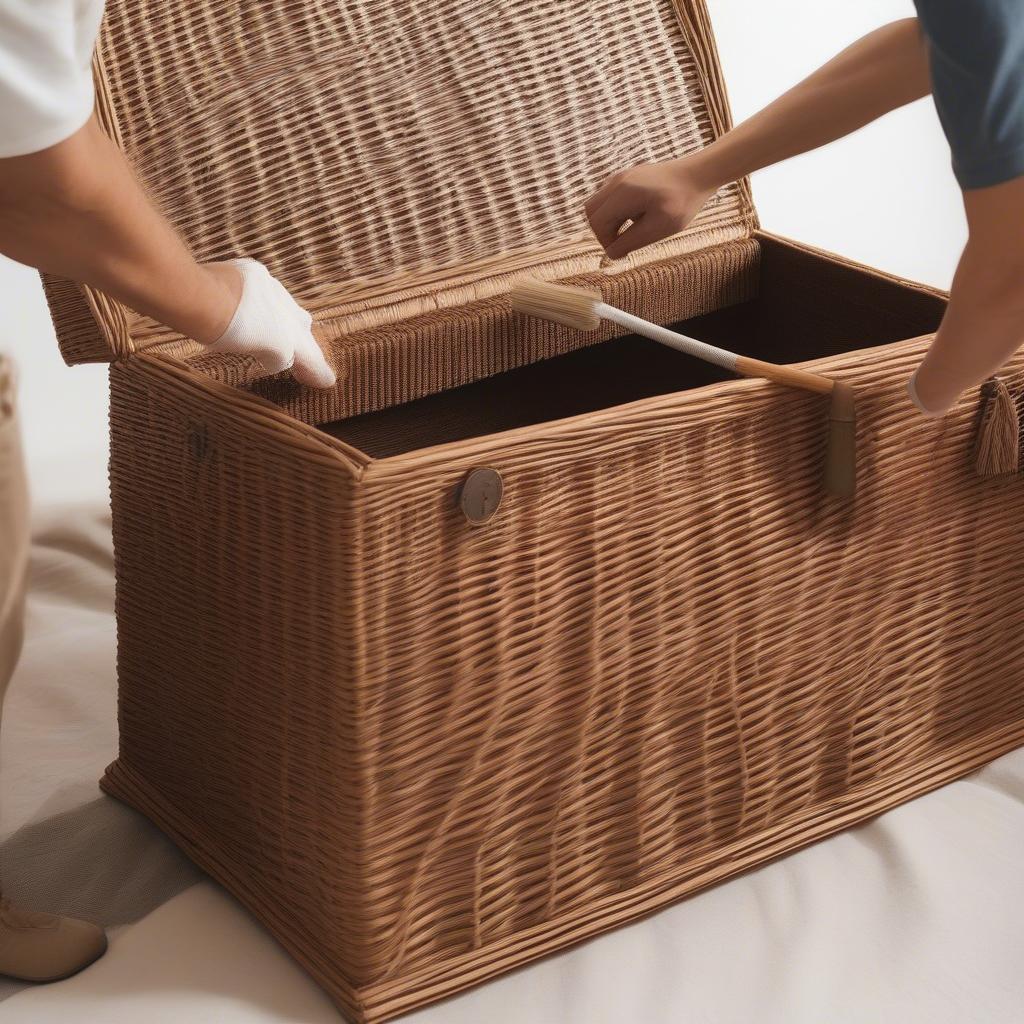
427, 727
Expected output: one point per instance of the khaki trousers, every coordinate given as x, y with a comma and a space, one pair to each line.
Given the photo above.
13, 529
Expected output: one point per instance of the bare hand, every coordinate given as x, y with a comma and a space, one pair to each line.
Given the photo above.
659, 199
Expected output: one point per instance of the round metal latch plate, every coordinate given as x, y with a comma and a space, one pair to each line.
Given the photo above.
480, 495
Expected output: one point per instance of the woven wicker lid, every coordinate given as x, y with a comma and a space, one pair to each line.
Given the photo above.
384, 158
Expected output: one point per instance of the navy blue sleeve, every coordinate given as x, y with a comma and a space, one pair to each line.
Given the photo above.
976, 51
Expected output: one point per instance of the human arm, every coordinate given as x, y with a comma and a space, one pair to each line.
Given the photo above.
76, 209
880, 72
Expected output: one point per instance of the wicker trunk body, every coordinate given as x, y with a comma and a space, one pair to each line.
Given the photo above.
424, 750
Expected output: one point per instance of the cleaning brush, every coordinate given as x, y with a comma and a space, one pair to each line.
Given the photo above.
584, 310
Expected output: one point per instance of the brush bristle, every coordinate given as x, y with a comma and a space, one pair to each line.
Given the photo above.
571, 307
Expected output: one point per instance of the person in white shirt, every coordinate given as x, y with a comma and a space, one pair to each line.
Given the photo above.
71, 205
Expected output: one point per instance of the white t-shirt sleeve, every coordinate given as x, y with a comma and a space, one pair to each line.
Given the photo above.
46, 90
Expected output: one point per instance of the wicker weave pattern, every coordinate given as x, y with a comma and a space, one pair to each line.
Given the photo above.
425, 752
449, 348
710, 681
379, 155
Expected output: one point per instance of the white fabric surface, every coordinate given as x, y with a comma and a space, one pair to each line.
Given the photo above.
46, 90
915, 918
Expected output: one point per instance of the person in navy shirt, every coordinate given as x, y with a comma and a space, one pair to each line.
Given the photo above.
969, 54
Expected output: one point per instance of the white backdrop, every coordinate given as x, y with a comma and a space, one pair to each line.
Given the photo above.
885, 196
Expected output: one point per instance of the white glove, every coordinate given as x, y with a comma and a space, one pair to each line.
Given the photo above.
272, 327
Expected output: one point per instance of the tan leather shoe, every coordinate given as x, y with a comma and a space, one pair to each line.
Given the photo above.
44, 947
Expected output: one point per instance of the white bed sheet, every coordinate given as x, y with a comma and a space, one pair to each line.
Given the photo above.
915, 917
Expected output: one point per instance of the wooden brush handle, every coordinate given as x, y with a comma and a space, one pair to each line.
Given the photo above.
791, 376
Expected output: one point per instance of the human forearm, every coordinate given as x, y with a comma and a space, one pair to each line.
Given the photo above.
978, 335
886, 69
880, 72
984, 323
77, 210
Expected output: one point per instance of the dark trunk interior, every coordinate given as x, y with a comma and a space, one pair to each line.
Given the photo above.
807, 307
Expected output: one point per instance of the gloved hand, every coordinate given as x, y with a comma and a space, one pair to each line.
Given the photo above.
273, 328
